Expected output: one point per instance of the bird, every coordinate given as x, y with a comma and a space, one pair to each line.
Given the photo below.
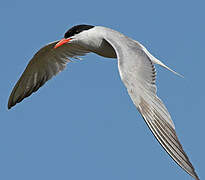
137, 71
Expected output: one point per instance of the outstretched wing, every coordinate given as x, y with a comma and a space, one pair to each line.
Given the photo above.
46, 63
138, 74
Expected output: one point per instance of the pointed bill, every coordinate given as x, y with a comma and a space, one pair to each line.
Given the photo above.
61, 42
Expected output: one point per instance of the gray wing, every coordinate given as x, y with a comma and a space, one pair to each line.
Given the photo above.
46, 63
138, 74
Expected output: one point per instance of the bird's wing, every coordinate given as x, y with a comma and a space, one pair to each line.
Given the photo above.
138, 74
46, 63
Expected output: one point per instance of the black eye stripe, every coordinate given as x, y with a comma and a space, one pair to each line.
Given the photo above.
77, 29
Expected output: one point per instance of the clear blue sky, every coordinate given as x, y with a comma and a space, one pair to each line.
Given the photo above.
82, 123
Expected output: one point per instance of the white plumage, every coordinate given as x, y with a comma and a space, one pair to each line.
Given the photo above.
136, 69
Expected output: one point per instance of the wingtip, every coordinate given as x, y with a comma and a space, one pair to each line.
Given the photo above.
195, 176
10, 105
10, 101
182, 159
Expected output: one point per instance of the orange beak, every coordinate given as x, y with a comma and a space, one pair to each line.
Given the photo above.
61, 42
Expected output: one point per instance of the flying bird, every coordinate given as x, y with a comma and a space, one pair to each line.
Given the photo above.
136, 69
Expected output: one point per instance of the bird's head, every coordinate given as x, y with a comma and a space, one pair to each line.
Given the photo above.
72, 33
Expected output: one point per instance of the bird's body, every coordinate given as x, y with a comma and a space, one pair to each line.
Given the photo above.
136, 69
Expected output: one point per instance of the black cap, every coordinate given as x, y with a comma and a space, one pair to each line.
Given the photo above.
77, 29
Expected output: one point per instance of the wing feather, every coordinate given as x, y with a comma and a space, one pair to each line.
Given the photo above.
46, 63
138, 73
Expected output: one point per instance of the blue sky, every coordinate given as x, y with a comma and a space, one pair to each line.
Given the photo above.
82, 123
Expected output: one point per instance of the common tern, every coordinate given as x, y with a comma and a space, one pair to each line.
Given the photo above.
136, 69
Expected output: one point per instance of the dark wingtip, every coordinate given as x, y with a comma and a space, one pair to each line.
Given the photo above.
10, 104
196, 177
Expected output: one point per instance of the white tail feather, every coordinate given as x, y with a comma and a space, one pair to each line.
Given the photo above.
156, 61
